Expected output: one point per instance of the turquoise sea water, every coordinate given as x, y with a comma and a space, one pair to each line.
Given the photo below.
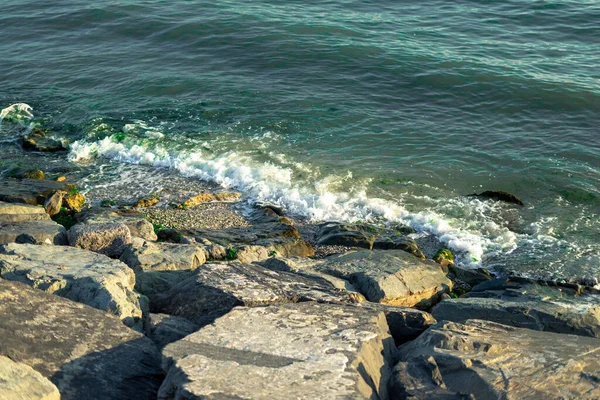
352, 110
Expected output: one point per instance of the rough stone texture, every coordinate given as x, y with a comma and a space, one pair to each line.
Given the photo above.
290, 351
405, 323
110, 239
146, 202
138, 225
85, 352
167, 329
78, 275
332, 233
21, 382
23, 223
73, 201
399, 242
218, 287
54, 202
29, 191
257, 242
159, 266
491, 361
392, 277
526, 304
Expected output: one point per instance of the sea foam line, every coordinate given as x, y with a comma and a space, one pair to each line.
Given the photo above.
272, 183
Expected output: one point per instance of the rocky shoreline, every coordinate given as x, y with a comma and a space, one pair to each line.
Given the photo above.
181, 296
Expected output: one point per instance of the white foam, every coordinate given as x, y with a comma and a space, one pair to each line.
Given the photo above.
327, 198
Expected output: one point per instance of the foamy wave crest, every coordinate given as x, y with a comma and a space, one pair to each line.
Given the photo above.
319, 200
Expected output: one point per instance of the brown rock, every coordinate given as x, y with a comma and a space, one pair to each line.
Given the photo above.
54, 202
210, 197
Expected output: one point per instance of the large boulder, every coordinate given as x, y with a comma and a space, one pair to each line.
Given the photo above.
392, 277
85, 352
399, 242
159, 266
528, 304
138, 225
296, 351
216, 288
336, 234
21, 382
109, 238
79, 275
486, 360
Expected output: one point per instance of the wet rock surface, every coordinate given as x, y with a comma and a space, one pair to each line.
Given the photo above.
305, 350
85, 352
487, 360
78, 275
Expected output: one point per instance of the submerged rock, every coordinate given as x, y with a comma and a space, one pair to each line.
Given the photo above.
21, 382
78, 275
85, 352
392, 277
294, 351
216, 288
498, 195
487, 360
38, 140
526, 304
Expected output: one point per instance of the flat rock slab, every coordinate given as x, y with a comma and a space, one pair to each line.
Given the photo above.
527, 305
108, 238
218, 287
21, 382
33, 232
392, 277
85, 352
79, 275
28, 191
287, 351
492, 361
159, 266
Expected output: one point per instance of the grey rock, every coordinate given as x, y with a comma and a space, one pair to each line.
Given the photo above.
399, 242
498, 195
138, 225
405, 323
28, 191
85, 352
159, 266
486, 360
33, 232
392, 277
527, 304
471, 277
167, 329
332, 233
78, 275
54, 202
295, 351
110, 239
218, 287
21, 382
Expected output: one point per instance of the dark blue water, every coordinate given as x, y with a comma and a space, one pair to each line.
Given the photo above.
384, 111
